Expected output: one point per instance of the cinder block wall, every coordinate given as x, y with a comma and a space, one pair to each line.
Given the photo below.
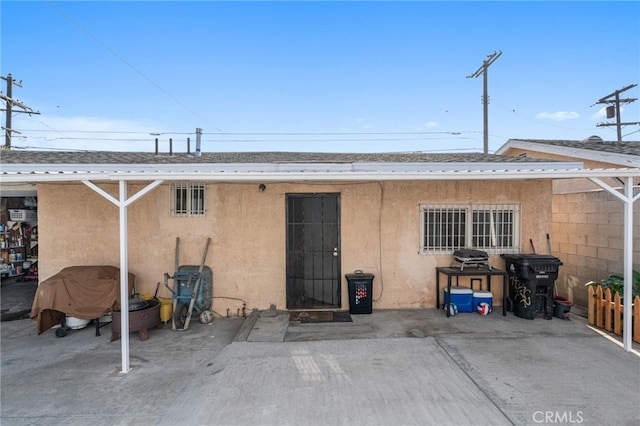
588, 237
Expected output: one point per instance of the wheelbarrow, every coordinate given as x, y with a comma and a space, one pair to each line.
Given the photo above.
191, 292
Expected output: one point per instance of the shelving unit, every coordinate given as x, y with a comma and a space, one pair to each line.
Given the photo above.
13, 255
19, 246
32, 254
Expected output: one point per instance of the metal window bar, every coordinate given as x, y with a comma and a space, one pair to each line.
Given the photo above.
178, 199
197, 200
488, 227
188, 199
444, 228
494, 227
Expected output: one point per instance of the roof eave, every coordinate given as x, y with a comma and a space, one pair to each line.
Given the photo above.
620, 159
15, 177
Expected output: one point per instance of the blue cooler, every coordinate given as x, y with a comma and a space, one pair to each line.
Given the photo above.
462, 297
482, 297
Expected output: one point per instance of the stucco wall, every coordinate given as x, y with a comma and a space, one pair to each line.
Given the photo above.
380, 234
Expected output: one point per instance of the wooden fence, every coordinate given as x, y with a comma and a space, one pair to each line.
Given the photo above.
605, 311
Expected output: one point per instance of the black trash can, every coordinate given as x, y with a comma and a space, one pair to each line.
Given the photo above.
360, 292
531, 282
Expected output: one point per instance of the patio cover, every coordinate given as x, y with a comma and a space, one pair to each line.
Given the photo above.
485, 168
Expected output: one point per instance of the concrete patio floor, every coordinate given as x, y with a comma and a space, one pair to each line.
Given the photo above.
392, 367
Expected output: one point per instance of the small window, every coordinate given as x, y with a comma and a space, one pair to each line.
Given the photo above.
492, 228
187, 199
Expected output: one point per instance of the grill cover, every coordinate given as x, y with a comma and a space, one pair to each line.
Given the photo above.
85, 292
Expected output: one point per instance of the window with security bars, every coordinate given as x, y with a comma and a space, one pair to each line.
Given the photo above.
490, 227
187, 199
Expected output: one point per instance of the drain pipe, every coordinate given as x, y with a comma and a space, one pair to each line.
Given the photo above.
198, 136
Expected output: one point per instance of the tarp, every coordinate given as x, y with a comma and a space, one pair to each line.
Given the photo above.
85, 292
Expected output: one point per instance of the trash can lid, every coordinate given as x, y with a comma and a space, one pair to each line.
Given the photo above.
530, 257
359, 274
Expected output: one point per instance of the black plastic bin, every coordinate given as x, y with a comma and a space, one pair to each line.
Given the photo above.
360, 292
531, 282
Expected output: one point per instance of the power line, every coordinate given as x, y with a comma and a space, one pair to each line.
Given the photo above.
27, 147
537, 121
249, 137
136, 70
258, 133
334, 133
252, 140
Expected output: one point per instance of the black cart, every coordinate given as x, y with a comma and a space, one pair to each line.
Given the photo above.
531, 283
360, 292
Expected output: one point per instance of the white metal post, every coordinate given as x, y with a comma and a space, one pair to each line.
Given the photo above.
122, 204
124, 279
627, 198
628, 261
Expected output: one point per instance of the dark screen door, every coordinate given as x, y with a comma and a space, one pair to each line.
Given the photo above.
313, 251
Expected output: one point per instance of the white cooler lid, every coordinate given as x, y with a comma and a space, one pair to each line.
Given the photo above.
482, 293
460, 290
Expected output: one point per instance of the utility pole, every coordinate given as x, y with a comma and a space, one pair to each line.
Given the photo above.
614, 110
485, 97
10, 103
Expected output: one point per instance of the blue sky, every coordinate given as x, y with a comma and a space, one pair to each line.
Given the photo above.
316, 76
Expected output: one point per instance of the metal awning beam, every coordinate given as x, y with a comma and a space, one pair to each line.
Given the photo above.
321, 173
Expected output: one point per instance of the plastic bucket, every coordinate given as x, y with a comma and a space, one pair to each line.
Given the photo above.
166, 309
561, 307
76, 323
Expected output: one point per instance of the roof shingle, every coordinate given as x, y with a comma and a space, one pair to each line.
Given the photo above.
625, 147
110, 157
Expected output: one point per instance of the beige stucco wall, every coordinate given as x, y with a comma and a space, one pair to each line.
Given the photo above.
380, 234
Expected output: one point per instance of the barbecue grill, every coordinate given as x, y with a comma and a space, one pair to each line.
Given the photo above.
468, 257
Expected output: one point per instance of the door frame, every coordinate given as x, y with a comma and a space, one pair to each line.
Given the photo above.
336, 285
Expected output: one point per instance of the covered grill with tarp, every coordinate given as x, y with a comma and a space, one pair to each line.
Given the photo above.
85, 292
